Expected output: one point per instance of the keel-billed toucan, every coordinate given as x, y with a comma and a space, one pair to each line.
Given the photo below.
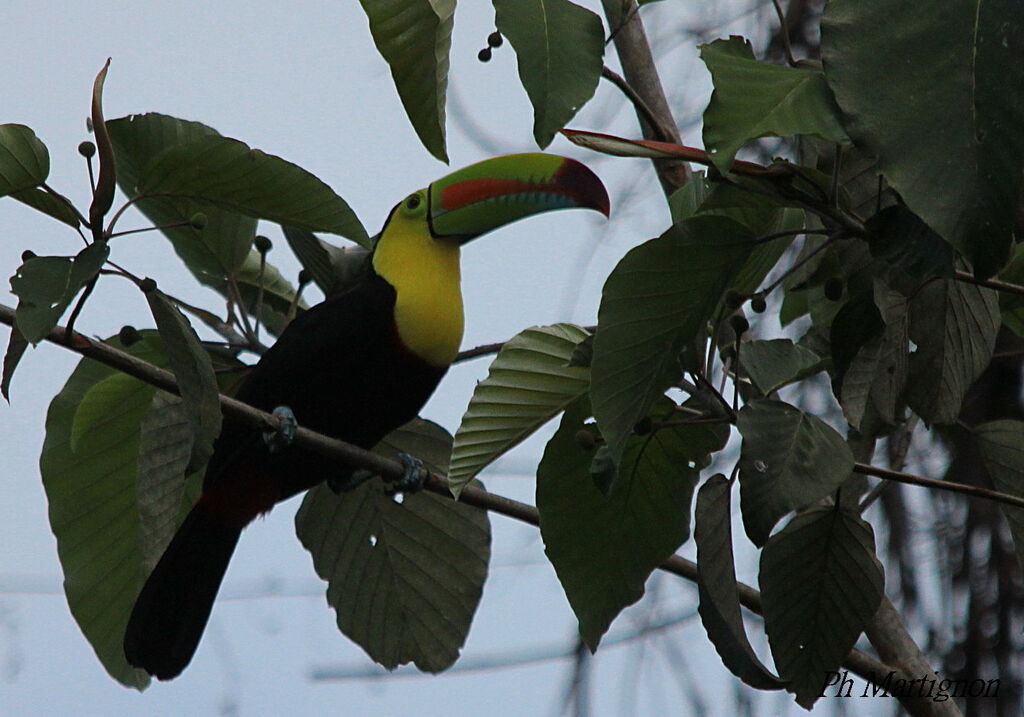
356, 366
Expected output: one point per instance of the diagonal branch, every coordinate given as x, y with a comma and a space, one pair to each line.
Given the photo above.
858, 662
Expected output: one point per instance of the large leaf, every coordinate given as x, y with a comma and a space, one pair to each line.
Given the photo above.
92, 508
165, 447
24, 161
820, 586
194, 370
954, 325
1002, 450
654, 303
789, 460
775, 363
414, 37
716, 584
55, 205
404, 577
559, 47
530, 382
756, 99
46, 285
956, 62
215, 250
604, 547
228, 174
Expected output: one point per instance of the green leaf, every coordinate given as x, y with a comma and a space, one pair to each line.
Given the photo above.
333, 268
529, 383
1012, 305
789, 460
404, 576
755, 99
559, 48
775, 363
92, 508
898, 237
954, 325
55, 205
165, 446
16, 346
654, 303
100, 401
956, 62
603, 548
820, 586
228, 174
215, 250
686, 201
719, 606
194, 370
46, 286
1002, 450
414, 37
24, 161
876, 374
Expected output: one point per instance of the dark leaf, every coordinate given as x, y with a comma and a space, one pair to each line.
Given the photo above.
404, 576
656, 301
55, 205
716, 584
46, 286
820, 586
194, 370
898, 237
559, 48
775, 363
24, 161
16, 346
789, 460
333, 268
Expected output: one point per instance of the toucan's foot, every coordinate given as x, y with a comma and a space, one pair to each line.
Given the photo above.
281, 437
414, 477
350, 479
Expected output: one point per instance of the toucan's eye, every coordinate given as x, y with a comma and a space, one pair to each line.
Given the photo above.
412, 202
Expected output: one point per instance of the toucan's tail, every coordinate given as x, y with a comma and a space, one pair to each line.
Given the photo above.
171, 611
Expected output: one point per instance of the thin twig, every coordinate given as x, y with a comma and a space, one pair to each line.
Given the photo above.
638, 103
996, 284
785, 33
911, 479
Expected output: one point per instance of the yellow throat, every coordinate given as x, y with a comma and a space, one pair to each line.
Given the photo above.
425, 275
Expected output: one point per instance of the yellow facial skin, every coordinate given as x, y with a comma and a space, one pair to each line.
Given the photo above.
425, 274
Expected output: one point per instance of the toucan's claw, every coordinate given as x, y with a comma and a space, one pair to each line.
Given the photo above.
281, 437
414, 477
349, 479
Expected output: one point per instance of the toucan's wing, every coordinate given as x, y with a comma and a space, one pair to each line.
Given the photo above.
307, 366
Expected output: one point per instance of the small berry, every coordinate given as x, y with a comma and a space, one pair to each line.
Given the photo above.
305, 276
644, 426
128, 335
484, 55
27, 254
758, 304
87, 149
198, 221
739, 324
263, 244
147, 285
834, 289
585, 439
495, 39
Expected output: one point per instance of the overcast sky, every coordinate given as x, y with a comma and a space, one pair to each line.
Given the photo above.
303, 81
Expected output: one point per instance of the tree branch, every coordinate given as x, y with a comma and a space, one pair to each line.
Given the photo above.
858, 662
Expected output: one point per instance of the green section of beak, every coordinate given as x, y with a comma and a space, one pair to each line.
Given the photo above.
489, 194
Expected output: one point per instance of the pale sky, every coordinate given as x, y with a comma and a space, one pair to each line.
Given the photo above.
303, 81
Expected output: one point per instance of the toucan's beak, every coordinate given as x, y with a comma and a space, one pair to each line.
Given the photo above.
489, 194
